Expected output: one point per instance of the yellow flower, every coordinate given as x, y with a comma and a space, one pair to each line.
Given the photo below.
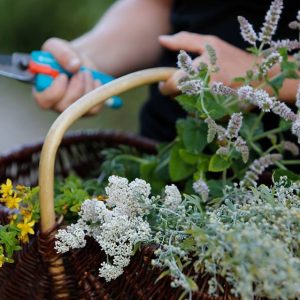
26, 213
13, 201
24, 239
12, 218
26, 227
6, 188
2, 260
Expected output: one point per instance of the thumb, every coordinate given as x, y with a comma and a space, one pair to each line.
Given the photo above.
63, 53
190, 42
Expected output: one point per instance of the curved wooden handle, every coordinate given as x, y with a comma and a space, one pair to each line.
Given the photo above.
68, 117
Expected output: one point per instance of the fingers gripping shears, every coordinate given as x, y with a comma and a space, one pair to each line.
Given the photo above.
40, 68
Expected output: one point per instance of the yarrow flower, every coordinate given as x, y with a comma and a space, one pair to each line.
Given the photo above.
191, 87
201, 188
271, 21
247, 31
185, 63
172, 197
257, 168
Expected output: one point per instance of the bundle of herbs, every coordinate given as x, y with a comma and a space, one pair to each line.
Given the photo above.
201, 199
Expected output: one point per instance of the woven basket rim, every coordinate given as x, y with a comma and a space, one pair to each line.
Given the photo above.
17, 153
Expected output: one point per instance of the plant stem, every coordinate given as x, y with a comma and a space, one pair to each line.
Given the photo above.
256, 123
291, 162
132, 158
265, 134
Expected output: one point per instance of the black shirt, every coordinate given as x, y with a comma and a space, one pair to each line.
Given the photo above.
215, 17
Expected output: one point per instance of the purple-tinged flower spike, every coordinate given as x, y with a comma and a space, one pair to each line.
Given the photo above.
291, 147
213, 130
298, 97
289, 44
234, 125
185, 63
247, 31
241, 146
271, 21
211, 54
259, 98
296, 128
218, 88
283, 111
269, 62
191, 87
258, 167
201, 188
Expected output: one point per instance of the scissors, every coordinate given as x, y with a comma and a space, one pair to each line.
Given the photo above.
39, 68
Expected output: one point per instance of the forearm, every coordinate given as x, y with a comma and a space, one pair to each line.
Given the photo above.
126, 38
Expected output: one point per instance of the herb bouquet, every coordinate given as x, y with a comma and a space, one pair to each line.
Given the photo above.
219, 207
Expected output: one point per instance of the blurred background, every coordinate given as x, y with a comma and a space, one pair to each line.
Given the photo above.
24, 26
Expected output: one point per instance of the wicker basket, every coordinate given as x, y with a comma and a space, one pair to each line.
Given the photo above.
38, 271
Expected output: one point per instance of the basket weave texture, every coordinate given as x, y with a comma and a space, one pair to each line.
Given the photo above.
29, 277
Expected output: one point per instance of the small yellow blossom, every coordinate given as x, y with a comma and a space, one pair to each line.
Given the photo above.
26, 213
26, 228
2, 260
12, 218
6, 188
102, 198
12, 201
24, 239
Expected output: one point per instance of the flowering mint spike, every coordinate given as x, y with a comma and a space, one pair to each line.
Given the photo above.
283, 111
234, 125
296, 128
289, 44
298, 97
247, 31
185, 63
271, 21
218, 88
213, 130
191, 87
201, 188
211, 54
257, 168
269, 62
291, 147
241, 146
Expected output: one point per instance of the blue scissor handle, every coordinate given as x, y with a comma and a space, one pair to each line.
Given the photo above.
43, 81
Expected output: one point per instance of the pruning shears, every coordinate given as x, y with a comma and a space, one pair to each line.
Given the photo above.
40, 68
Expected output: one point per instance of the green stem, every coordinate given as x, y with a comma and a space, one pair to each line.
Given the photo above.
256, 123
265, 134
291, 162
224, 177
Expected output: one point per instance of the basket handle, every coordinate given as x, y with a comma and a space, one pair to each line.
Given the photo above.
68, 117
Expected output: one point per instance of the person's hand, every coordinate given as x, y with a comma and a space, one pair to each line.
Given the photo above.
63, 91
232, 61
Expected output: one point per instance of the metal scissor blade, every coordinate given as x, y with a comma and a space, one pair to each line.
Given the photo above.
15, 73
5, 59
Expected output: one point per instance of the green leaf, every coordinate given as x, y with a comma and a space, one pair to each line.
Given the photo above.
188, 157
248, 122
285, 125
215, 110
215, 188
193, 285
177, 167
193, 133
147, 172
187, 102
218, 163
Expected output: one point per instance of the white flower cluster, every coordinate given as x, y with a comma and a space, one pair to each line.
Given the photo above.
247, 31
116, 225
172, 197
201, 188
